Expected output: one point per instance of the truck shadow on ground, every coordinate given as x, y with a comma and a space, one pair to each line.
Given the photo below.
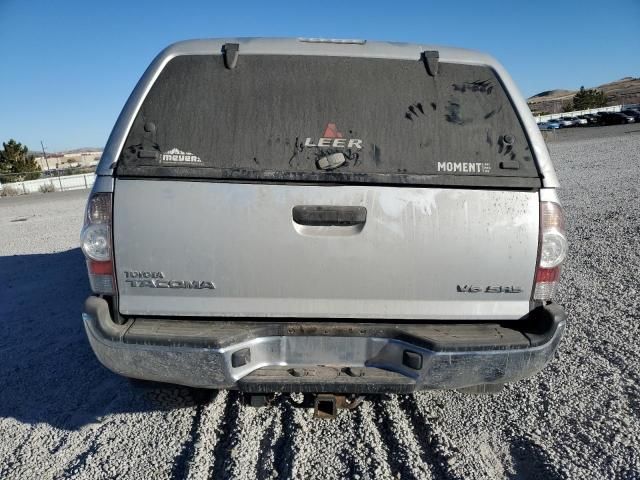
49, 373
530, 461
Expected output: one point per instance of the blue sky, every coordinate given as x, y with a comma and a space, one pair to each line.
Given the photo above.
67, 66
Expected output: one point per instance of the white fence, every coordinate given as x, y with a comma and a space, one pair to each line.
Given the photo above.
68, 182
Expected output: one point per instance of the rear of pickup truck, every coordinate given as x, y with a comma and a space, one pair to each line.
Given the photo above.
328, 217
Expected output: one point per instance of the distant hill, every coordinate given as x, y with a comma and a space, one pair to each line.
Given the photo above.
38, 153
552, 94
83, 150
625, 90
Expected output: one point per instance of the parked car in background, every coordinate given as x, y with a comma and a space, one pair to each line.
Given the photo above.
591, 118
563, 122
578, 122
566, 122
614, 118
550, 125
632, 113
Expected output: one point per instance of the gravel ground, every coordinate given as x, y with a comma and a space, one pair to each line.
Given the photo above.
62, 415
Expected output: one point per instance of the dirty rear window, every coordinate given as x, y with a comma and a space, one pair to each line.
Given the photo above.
328, 119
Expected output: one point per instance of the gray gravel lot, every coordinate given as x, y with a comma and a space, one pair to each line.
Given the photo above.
62, 415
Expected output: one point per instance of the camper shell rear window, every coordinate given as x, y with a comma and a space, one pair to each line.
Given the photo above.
314, 119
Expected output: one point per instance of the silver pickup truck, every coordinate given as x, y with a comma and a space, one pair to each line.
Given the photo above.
336, 217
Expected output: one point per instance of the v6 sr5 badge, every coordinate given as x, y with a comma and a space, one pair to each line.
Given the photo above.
488, 289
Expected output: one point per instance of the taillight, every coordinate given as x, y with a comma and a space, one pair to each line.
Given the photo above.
553, 250
95, 241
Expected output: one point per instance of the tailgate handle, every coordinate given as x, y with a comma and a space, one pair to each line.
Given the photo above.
329, 216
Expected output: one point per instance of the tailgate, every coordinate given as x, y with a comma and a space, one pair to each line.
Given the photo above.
234, 249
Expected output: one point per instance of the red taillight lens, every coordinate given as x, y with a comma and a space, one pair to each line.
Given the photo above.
553, 250
99, 268
548, 274
95, 241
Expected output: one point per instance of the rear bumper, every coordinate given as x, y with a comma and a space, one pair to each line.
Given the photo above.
324, 356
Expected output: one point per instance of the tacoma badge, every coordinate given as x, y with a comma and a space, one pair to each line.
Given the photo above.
157, 280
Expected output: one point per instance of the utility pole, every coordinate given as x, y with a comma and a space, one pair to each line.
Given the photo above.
45, 155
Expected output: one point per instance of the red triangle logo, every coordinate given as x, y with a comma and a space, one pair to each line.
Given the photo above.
332, 131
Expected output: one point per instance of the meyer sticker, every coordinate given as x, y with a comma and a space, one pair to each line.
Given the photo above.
178, 156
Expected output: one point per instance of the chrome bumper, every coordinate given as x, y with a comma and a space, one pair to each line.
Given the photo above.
210, 367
